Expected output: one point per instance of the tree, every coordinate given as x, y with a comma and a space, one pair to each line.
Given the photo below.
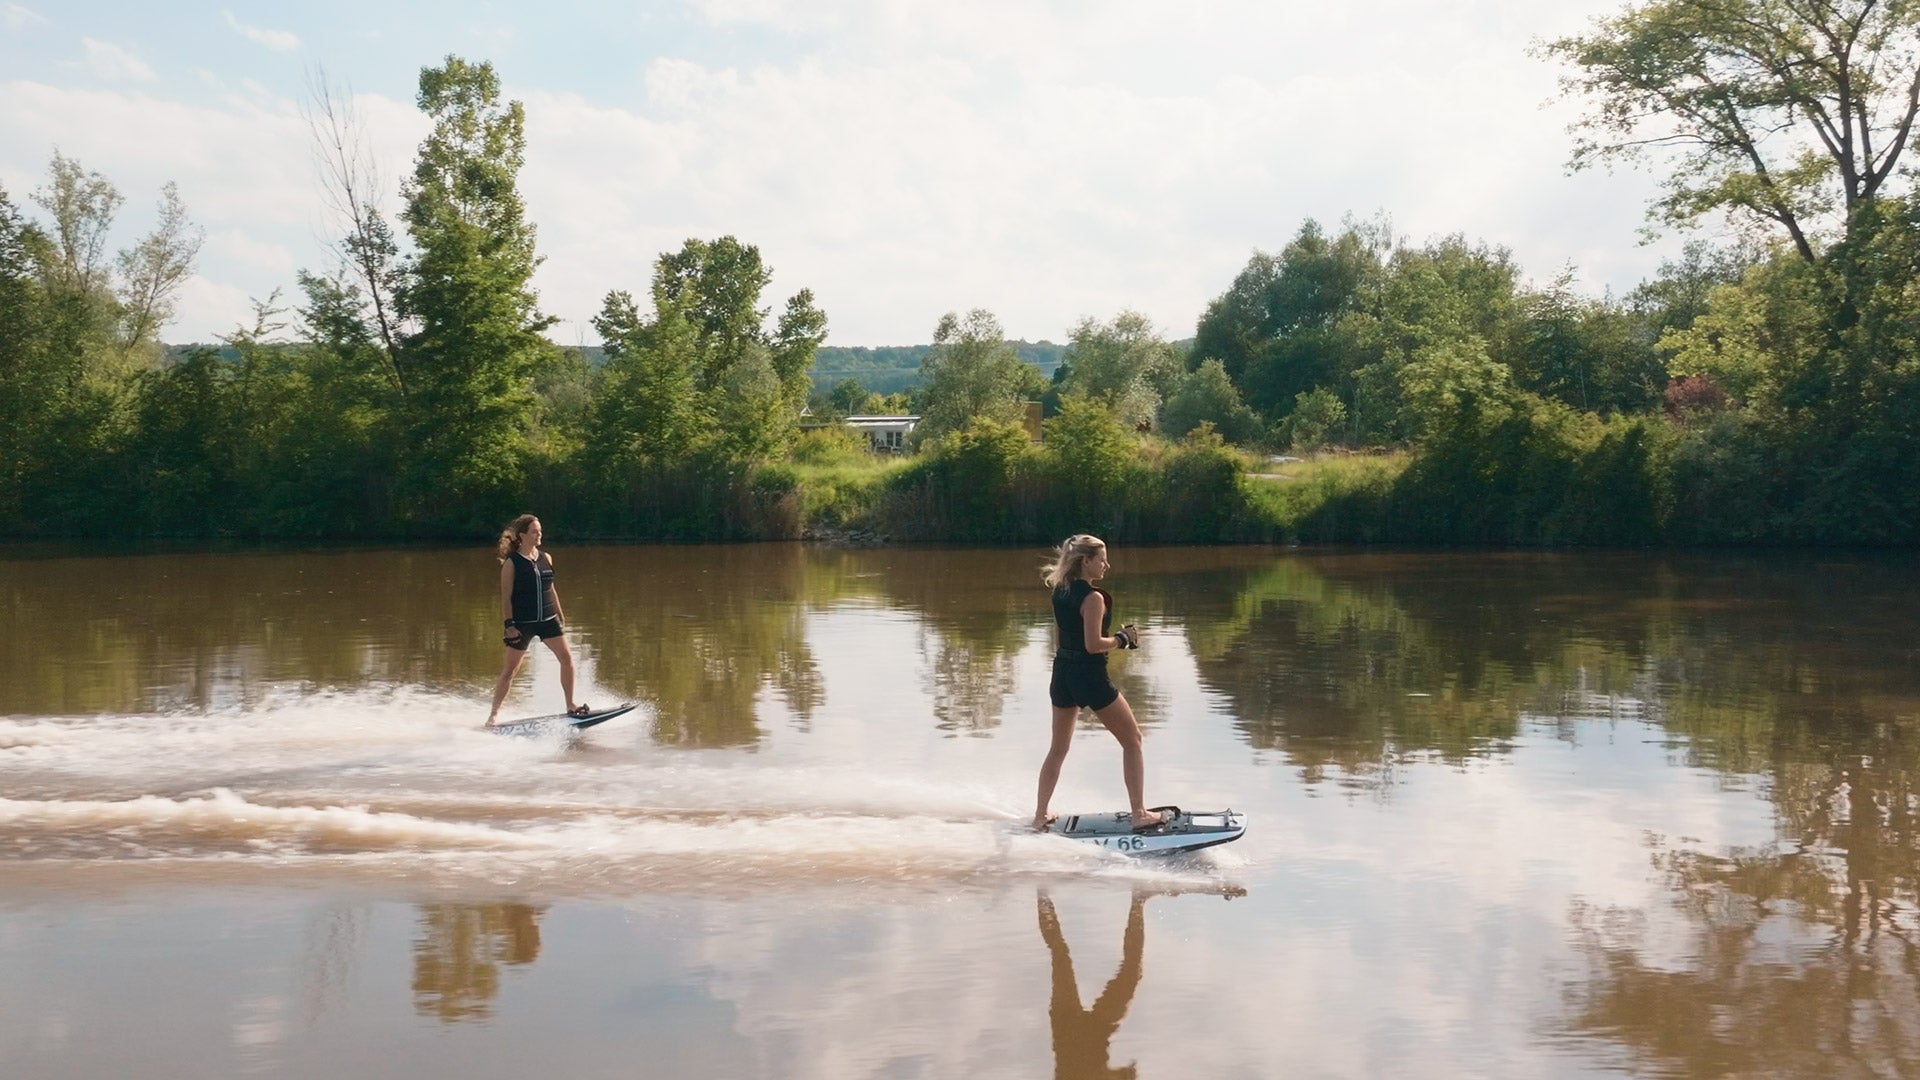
83, 205
1123, 364
972, 373
1277, 329
471, 361
71, 258
1450, 305
1794, 113
26, 383
152, 271
1206, 395
1595, 355
1316, 415
707, 338
350, 183
649, 406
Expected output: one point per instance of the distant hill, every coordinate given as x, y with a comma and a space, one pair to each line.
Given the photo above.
889, 369
883, 369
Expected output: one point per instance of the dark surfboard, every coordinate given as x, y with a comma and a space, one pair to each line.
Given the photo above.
536, 725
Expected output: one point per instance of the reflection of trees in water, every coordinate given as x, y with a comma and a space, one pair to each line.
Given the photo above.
458, 952
1787, 974
1350, 662
700, 631
978, 610
135, 633
969, 680
1083, 1036
973, 613
1325, 670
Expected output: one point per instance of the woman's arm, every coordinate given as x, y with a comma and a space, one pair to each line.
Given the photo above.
557, 613
1092, 610
506, 589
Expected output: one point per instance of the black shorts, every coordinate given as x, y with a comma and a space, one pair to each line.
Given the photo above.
1081, 679
547, 628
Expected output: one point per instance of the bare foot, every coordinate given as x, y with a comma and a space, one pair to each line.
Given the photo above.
1042, 821
1147, 819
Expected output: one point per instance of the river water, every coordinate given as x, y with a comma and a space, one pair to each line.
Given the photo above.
1511, 815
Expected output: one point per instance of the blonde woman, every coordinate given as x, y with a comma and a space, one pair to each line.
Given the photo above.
1084, 613
531, 609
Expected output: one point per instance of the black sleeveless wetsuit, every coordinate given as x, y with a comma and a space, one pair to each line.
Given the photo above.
1080, 677
536, 607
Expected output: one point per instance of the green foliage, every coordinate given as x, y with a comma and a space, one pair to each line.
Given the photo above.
1277, 329
1316, 415
29, 382
1123, 364
831, 446
973, 374
1201, 498
703, 370
1206, 396
1092, 460
1792, 115
965, 487
469, 367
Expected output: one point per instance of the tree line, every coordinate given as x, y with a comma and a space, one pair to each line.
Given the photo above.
1761, 391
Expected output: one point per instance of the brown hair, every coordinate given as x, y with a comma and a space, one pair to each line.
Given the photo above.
510, 536
1074, 551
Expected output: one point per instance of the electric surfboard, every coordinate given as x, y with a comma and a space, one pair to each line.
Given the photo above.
540, 725
1184, 830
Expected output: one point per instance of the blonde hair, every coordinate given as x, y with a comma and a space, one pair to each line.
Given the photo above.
1074, 551
510, 536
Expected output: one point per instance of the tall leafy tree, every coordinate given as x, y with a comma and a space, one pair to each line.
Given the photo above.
74, 267
973, 373
152, 271
705, 367
26, 382
649, 408
1123, 364
1793, 113
1277, 329
471, 362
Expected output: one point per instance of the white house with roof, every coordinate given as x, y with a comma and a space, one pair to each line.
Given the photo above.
886, 434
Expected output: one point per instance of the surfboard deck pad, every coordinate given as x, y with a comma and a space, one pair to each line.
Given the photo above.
1184, 830
539, 725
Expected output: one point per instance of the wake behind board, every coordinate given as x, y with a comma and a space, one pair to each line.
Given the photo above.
539, 725
1183, 831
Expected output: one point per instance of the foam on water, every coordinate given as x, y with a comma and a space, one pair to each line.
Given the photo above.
403, 783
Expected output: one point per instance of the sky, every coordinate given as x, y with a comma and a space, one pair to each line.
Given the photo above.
1046, 160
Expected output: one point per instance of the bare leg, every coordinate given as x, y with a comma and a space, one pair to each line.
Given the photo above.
500, 685
1118, 717
1050, 768
565, 654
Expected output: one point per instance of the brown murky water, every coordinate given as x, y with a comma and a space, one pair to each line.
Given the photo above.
1512, 815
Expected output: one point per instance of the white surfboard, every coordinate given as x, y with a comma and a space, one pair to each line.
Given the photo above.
1184, 830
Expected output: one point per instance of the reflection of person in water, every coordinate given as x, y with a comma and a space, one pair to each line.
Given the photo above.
1082, 1038
1084, 613
531, 608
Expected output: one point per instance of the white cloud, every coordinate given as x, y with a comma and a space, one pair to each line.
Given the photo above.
17, 18
1050, 167
110, 61
1037, 159
244, 248
277, 40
